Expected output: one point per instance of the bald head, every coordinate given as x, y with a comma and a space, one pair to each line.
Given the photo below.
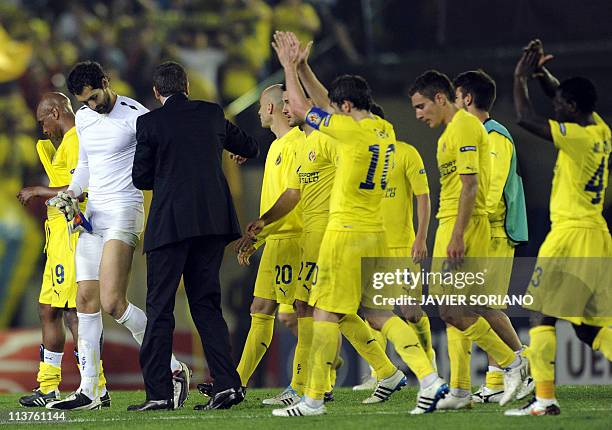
54, 114
54, 100
273, 94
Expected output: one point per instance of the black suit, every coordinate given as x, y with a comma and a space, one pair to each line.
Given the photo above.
192, 218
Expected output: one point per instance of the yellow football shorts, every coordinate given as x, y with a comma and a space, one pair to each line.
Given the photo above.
278, 270
309, 269
501, 254
285, 309
59, 287
338, 287
463, 280
572, 279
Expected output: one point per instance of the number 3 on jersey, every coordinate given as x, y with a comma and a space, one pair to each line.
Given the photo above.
369, 182
596, 183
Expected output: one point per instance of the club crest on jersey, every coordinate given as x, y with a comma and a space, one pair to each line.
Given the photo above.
312, 156
314, 118
278, 160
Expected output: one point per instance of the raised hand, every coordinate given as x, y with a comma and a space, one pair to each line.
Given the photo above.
303, 50
536, 46
527, 65
286, 50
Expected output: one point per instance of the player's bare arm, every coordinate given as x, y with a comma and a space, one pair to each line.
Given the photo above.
467, 201
419, 248
285, 204
287, 56
526, 115
26, 194
547, 81
317, 91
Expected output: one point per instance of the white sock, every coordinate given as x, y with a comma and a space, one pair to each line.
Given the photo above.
428, 380
546, 402
52, 358
90, 332
313, 403
459, 392
517, 361
135, 320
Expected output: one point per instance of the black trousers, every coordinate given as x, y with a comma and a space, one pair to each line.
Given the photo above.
198, 259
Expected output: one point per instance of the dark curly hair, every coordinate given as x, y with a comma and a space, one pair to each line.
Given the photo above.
84, 74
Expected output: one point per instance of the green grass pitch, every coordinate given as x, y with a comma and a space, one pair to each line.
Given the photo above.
582, 407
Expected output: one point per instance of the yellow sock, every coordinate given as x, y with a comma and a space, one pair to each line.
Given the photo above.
48, 377
484, 336
102, 378
542, 352
423, 332
302, 353
459, 355
408, 347
322, 356
337, 363
603, 342
257, 343
360, 336
382, 341
494, 379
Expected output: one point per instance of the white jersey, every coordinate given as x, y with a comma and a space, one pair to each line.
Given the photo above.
107, 143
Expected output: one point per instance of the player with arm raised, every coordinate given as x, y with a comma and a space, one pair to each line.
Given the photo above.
354, 230
571, 279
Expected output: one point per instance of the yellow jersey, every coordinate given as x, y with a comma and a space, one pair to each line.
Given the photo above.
59, 164
500, 149
406, 179
277, 172
314, 177
365, 149
463, 149
581, 173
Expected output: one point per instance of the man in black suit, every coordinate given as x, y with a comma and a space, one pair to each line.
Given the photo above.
192, 219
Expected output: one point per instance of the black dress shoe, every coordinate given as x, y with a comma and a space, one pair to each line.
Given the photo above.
152, 405
224, 399
206, 388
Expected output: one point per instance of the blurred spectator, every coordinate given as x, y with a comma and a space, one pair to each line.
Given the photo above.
299, 17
